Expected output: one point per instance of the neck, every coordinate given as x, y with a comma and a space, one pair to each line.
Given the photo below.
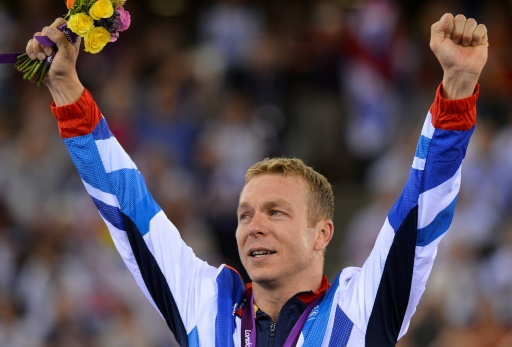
271, 299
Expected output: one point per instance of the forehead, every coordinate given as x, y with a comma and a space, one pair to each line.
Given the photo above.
275, 187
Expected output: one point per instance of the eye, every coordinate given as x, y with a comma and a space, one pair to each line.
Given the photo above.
275, 213
243, 216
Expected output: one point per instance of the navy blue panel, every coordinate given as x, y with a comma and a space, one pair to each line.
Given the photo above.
156, 283
395, 286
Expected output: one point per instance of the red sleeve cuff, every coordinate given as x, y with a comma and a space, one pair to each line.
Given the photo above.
457, 114
79, 118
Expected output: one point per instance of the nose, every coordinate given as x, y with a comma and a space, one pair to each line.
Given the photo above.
257, 226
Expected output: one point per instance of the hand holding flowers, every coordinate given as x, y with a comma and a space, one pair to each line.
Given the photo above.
98, 22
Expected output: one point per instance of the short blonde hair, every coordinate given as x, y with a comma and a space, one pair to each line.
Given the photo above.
321, 199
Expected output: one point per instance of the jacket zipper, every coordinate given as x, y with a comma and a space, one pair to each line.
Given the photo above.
272, 333
274, 324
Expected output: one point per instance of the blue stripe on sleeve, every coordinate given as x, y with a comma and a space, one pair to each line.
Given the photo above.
110, 213
142, 214
193, 338
407, 200
314, 328
445, 156
231, 291
341, 329
136, 201
438, 226
422, 147
85, 155
101, 131
127, 185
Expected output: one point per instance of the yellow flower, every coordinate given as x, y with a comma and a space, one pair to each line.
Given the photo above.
80, 24
101, 9
118, 3
96, 39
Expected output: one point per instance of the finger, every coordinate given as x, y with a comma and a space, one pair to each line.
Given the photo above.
30, 50
46, 32
479, 36
469, 29
58, 22
65, 47
56, 36
459, 21
444, 27
36, 48
451, 26
48, 50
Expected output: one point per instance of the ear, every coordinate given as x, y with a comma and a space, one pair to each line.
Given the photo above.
325, 230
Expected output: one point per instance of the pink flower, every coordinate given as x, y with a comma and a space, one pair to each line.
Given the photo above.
124, 19
114, 37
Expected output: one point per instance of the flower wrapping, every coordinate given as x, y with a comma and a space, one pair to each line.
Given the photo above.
98, 22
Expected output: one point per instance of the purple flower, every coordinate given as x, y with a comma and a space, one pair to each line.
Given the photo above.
124, 19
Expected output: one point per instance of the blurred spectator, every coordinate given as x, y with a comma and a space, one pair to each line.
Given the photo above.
228, 145
233, 27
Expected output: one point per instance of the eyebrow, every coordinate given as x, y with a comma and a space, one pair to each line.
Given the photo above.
269, 204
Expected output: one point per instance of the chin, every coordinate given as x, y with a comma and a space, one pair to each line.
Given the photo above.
259, 276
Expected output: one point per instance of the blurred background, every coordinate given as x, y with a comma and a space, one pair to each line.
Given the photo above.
197, 91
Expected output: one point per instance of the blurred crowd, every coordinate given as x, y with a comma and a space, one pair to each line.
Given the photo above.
197, 91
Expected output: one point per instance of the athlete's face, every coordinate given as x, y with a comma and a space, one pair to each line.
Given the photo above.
274, 239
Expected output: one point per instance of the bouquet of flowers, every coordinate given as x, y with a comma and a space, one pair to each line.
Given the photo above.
98, 22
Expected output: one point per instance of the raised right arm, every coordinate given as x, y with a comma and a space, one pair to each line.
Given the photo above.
180, 285
381, 298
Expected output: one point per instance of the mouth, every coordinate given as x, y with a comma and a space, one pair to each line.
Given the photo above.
260, 253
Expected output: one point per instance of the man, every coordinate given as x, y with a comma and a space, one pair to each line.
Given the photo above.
285, 222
